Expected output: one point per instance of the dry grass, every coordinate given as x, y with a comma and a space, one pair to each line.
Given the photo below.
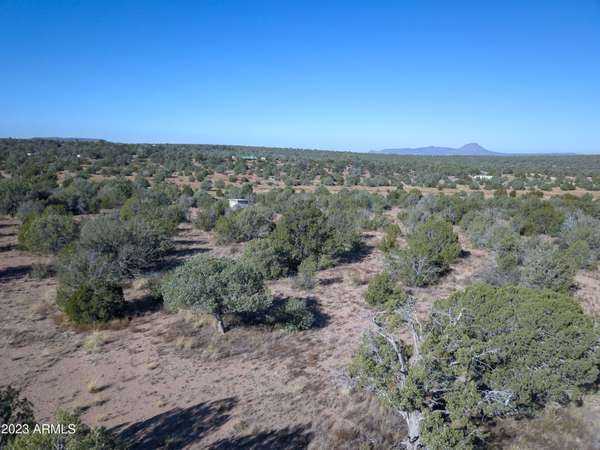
92, 386
152, 365
184, 343
557, 428
95, 342
363, 424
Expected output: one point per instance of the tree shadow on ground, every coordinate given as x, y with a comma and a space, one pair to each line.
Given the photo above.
7, 247
189, 242
185, 252
11, 273
331, 280
176, 428
147, 304
177, 257
357, 254
278, 316
289, 438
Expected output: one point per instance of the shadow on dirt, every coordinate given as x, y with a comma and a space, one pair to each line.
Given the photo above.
11, 273
289, 438
176, 428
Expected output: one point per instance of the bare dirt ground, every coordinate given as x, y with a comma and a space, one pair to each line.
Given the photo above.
168, 381
163, 380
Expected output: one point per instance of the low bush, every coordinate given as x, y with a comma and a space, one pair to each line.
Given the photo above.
14, 409
114, 193
432, 247
133, 244
209, 216
546, 266
390, 240
88, 304
83, 437
292, 314
245, 224
262, 255
47, 233
77, 195
305, 279
12, 194
383, 291
412, 267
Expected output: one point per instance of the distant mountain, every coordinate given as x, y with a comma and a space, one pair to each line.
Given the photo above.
472, 149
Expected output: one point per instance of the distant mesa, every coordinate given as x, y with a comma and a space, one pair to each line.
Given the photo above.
472, 149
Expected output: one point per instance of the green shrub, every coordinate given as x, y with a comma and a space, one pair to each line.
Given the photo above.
305, 279
436, 239
535, 216
245, 224
208, 217
383, 291
88, 305
546, 266
30, 208
12, 194
432, 247
134, 244
78, 267
292, 314
581, 254
83, 438
78, 196
390, 240
305, 231
262, 255
152, 211
114, 193
41, 271
412, 267
485, 353
14, 409
48, 233
216, 286
579, 226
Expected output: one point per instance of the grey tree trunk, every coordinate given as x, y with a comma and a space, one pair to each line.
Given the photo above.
219, 323
413, 421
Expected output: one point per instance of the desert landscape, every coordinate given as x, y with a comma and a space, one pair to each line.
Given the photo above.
267, 225
155, 376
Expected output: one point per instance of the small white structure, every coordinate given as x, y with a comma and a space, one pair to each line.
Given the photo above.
238, 203
482, 177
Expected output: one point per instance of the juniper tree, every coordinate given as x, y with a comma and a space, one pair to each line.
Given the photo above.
484, 353
216, 286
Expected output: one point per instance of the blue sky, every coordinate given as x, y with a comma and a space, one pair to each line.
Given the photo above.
348, 75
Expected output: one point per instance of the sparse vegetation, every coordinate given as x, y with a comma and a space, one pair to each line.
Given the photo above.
120, 229
217, 286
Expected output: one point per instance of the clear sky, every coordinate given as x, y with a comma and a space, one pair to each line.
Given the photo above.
347, 75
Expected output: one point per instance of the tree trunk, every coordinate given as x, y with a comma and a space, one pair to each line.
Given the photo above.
413, 421
219, 323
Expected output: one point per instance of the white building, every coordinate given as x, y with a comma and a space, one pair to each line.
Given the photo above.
238, 203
